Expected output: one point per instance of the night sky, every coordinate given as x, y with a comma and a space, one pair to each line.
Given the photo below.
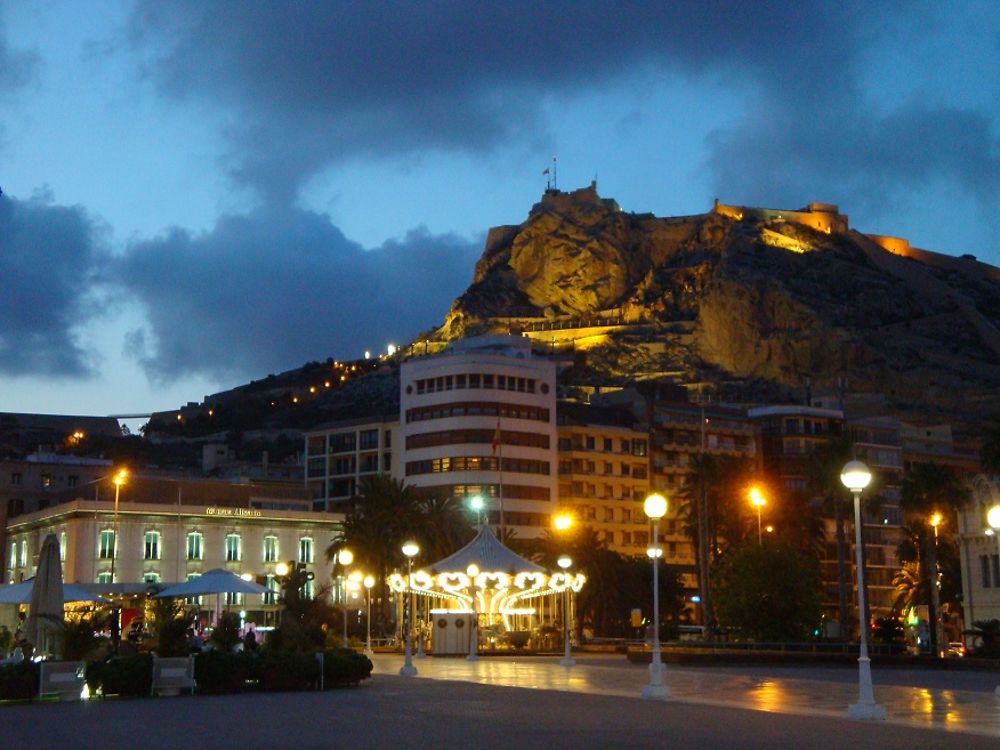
196, 194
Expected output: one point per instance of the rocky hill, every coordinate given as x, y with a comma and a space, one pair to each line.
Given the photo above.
777, 302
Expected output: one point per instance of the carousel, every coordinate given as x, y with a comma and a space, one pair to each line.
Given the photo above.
487, 589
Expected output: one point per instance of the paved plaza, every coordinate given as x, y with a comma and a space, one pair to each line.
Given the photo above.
534, 703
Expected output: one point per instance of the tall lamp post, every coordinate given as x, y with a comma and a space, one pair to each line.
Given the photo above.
856, 476
655, 507
345, 557
410, 549
472, 571
993, 519
565, 562
757, 500
119, 480
369, 582
935, 521
476, 503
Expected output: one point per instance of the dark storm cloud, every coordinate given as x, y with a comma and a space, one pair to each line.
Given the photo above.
316, 83
17, 67
49, 255
267, 291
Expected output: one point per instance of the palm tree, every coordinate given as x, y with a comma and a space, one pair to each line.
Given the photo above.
929, 489
383, 514
442, 527
823, 480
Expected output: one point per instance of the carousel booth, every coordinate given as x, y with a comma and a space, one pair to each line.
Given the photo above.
487, 597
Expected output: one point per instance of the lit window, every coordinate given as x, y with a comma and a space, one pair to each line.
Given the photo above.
104, 578
106, 544
306, 550
151, 546
151, 577
193, 599
13, 555
195, 546
234, 598
62, 546
270, 549
23, 560
234, 551
308, 590
271, 595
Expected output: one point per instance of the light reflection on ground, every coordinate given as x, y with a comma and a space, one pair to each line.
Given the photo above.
955, 710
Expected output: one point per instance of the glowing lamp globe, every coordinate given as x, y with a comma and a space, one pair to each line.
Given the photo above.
993, 517
345, 557
476, 503
281, 569
564, 562
655, 506
855, 476
472, 571
369, 581
411, 549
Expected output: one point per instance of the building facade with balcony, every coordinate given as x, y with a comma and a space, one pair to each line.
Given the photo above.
604, 474
338, 456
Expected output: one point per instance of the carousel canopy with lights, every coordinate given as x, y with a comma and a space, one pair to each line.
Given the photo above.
502, 582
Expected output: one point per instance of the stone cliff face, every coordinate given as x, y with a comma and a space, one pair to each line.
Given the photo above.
754, 296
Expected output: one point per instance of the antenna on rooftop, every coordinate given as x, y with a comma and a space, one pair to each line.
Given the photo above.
555, 174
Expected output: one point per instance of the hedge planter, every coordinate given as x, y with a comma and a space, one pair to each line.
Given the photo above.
222, 672
130, 676
19, 682
344, 667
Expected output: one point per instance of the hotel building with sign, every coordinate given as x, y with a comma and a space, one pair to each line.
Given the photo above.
172, 530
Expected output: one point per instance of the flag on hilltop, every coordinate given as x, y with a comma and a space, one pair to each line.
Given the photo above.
545, 171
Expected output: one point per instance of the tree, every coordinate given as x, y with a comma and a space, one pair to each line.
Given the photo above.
929, 489
823, 470
767, 592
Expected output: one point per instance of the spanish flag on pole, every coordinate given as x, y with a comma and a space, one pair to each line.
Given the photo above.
495, 445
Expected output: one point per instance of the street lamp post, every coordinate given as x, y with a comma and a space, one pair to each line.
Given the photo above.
472, 571
993, 519
345, 557
567, 661
856, 476
758, 501
655, 507
119, 480
369, 582
410, 549
935, 521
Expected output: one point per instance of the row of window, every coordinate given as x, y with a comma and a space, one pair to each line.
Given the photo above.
476, 463
19, 552
477, 380
581, 466
636, 447
607, 491
477, 409
510, 491
195, 547
459, 437
270, 596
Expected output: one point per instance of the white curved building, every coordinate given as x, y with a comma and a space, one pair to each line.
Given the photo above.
480, 419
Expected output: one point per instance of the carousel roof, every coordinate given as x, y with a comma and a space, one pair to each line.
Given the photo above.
489, 554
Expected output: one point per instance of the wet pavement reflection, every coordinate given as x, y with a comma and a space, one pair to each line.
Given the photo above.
971, 711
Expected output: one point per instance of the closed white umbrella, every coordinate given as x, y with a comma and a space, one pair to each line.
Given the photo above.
45, 609
20, 593
217, 581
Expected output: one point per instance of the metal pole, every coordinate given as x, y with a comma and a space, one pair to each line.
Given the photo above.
567, 660
759, 542
656, 690
408, 670
866, 707
368, 618
473, 629
114, 545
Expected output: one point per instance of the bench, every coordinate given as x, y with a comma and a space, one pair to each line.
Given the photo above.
172, 674
62, 678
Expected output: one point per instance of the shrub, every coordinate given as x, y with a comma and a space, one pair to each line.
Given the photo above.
226, 634
121, 675
344, 666
222, 671
80, 639
286, 671
19, 681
